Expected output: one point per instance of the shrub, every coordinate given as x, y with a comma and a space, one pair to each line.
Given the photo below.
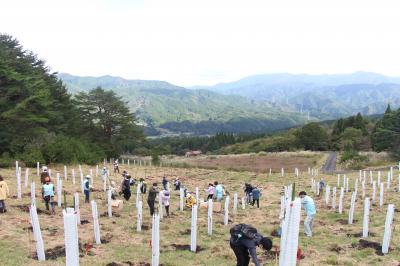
31, 156
6, 160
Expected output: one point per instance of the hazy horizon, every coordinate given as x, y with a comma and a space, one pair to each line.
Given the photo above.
190, 43
228, 81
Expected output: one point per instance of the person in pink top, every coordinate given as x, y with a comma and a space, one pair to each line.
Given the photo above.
165, 196
210, 191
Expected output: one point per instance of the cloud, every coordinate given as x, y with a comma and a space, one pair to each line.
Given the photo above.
206, 42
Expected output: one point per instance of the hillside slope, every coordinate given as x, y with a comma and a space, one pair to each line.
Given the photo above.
323, 96
167, 108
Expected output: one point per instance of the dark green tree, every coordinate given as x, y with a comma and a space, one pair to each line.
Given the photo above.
33, 102
388, 109
313, 137
107, 118
386, 134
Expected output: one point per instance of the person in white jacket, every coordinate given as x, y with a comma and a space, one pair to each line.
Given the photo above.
165, 196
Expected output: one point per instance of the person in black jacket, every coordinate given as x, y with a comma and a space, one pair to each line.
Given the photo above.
244, 246
152, 198
165, 182
126, 187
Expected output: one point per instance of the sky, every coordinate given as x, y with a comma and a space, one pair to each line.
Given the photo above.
206, 42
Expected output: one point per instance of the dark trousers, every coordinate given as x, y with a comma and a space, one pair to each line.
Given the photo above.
210, 196
2, 206
258, 202
151, 206
87, 196
48, 200
127, 194
167, 210
242, 255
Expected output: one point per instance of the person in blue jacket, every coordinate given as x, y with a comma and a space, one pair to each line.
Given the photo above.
309, 207
256, 194
86, 188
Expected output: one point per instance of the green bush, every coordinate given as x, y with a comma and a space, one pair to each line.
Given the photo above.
70, 150
31, 156
6, 160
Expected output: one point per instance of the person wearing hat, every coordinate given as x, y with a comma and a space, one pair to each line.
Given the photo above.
48, 194
44, 174
86, 188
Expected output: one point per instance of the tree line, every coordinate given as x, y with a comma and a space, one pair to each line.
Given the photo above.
40, 121
350, 135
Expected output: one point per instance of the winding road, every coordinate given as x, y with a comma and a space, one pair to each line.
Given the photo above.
330, 164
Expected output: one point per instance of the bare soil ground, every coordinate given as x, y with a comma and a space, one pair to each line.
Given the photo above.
334, 241
258, 163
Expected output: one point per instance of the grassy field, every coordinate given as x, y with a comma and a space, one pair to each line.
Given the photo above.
334, 242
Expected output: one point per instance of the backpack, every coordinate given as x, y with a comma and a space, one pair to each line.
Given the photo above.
242, 231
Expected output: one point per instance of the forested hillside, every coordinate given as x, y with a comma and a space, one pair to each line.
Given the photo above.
165, 108
323, 96
349, 135
39, 121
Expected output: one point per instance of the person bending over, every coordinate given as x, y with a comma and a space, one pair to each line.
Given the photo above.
244, 241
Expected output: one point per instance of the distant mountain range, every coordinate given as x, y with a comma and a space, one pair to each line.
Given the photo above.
165, 109
261, 103
324, 96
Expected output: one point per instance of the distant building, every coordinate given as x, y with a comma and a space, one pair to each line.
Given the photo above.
193, 153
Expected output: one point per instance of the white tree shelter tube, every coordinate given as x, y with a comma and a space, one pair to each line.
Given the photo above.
388, 229
155, 241
37, 234
210, 219
366, 217
290, 234
193, 231
139, 216
96, 226
226, 216
71, 238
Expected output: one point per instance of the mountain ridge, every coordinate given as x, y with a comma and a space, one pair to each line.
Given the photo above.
250, 105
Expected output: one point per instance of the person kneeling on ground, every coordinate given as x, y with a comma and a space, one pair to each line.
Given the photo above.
244, 241
309, 207
190, 200
48, 194
152, 198
4, 193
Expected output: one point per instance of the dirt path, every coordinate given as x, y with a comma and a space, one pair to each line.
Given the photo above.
330, 164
